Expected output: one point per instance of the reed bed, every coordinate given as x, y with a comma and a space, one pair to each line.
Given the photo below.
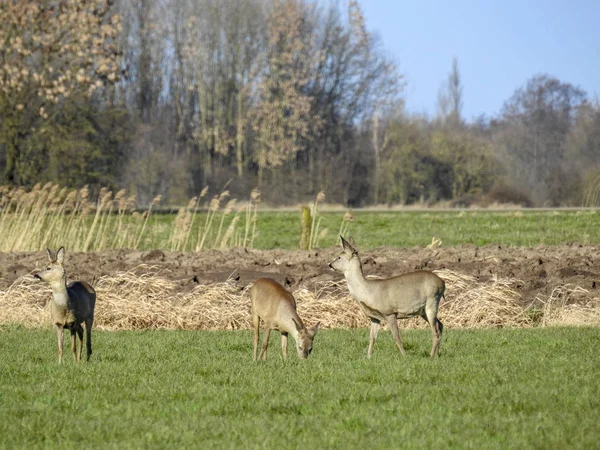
49, 216
146, 298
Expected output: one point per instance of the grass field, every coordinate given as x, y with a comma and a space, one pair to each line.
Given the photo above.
281, 229
502, 388
412, 228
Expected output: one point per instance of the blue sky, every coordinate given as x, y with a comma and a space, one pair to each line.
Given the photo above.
499, 46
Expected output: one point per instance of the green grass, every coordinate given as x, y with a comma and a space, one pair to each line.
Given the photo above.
527, 228
520, 388
402, 229
411, 228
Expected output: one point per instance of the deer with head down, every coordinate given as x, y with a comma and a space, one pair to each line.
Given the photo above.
400, 297
277, 308
72, 304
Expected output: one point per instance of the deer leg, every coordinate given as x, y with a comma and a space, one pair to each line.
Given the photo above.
265, 343
80, 336
375, 325
88, 337
284, 340
255, 323
439, 330
73, 330
59, 335
393, 324
436, 329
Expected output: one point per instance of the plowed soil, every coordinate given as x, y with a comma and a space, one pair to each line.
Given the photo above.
538, 270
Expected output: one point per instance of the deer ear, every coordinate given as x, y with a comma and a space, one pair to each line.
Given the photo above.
345, 244
350, 245
298, 326
315, 328
50, 256
60, 255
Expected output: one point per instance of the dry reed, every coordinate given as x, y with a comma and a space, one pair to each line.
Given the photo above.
146, 298
566, 305
345, 225
50, 216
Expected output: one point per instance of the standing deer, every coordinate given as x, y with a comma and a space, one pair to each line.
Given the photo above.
71, 305
400, 297
277, 308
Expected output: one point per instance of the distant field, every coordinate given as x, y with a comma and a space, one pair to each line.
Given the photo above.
502, 388
410, 228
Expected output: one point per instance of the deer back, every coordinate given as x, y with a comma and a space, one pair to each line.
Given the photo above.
406, 295
274, 305
82, 299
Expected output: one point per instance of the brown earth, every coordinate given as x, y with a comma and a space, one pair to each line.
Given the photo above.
538, 270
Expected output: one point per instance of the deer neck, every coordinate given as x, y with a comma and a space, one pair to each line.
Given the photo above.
357, 283
294, 333
291, 327
59, 292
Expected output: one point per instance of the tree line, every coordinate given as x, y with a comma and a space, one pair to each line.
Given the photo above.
165, 97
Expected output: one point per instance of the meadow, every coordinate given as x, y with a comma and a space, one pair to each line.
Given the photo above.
165, 373
494, 388
406, 229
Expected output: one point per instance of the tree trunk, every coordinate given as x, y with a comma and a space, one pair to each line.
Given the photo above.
239, 137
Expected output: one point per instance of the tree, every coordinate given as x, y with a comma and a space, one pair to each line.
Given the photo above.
533, 131
282, 118
54, 54
450, 98
582, 159
473, 167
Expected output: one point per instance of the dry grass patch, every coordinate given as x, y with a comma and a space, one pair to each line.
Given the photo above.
471, 304
144, 298
567, 305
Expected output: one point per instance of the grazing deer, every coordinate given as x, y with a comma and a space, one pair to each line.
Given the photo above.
277, 308
399, 297
71, 305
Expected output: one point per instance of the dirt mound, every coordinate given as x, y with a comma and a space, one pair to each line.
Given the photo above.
539, 270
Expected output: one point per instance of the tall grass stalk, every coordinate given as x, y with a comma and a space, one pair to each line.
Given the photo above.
196, 204
228, 209
348, 217
213, 206
105, 196
155, 201
251, 217
48, 216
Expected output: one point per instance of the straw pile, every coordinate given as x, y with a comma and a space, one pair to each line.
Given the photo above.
145, 298
470, 304
565, 306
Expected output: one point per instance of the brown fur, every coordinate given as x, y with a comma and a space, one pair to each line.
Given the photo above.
400, 297
277, 308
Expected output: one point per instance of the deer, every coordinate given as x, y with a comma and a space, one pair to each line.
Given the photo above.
399, 297
72, 304
272, 303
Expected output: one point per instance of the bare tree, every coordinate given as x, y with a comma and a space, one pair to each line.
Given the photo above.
533, 131
450, 98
